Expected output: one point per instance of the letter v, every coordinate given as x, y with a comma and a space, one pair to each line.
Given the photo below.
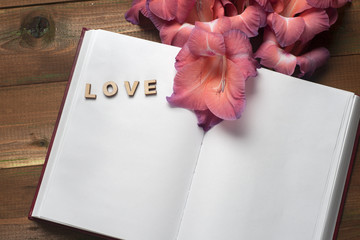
131, 90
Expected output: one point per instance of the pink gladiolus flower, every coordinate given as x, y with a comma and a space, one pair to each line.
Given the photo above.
292, 25
296, 20
132, 15
284, 60
175, 19
212, 68
216, 56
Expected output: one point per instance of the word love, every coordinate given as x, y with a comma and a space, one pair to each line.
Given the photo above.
110, 89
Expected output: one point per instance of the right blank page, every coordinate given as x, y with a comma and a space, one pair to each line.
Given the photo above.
270, 174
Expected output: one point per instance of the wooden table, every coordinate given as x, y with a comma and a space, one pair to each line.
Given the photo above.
38, 39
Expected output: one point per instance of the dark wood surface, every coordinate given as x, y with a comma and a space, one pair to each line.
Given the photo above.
38, 39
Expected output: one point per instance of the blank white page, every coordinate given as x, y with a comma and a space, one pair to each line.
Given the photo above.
268, 175
121, 166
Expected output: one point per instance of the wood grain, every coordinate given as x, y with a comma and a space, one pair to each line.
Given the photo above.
27, 117
24, 3
340, 72
25, 59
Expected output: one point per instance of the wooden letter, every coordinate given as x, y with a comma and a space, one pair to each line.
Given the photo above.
88, 95
131, 90
106, 90
150, 87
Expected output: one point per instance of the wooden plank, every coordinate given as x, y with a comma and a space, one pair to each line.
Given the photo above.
48, 53
19, 184
25, 59
22, 3
340, 72
27, 118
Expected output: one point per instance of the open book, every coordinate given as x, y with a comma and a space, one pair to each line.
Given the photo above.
124, 164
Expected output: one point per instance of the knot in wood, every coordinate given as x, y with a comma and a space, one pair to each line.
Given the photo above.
42, 142
38, 26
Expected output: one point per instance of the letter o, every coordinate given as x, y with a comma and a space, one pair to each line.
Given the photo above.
106, 88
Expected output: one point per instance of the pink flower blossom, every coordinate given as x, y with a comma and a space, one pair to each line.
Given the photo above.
290, 27
216, 56
175, 19
296, 20
284, 60
212, 68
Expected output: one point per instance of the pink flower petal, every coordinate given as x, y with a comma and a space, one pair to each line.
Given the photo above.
202, 11
203, 43
164, 9
132, 15
269, 36
182, 35
287, 30
183, 9
175, 34
276, 58
327, 3
226, 98
312, 60
240, 5
249, 21
219, 25
266, 5
316, 21
218, 9
333, 15
168, 31
190, 85
158, 22
294, 7
277, 5
230, 9
169, 9
263, 16
184, 57
237, 44
239, 51
207, 119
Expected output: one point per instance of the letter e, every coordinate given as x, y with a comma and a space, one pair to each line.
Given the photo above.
150, 87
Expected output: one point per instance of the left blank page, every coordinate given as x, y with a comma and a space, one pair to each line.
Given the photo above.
121, 166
